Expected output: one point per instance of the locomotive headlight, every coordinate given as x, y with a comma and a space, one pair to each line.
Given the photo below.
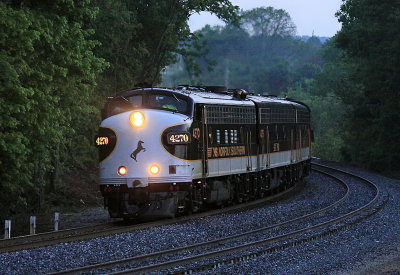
122, 171
136, 119
154, 169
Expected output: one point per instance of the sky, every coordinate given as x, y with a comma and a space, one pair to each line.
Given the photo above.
310, 16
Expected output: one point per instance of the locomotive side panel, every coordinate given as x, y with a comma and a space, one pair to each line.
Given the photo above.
230, 139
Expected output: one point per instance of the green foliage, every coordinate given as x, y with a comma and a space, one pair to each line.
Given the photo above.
260, 55
370, 38
52, 55
268, 22
140, 38
116, 27
47, 72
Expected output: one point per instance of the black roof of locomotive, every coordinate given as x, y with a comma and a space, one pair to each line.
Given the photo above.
221, 95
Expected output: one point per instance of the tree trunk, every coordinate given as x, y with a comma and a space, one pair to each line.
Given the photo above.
56, 173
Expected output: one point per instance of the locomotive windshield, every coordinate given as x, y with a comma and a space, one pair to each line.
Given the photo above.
153, 99
170, 102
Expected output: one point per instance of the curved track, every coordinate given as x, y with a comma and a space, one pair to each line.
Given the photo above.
101, 230
220, 251
49, 238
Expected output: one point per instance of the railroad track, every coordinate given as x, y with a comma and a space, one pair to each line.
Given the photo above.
50, 238
101, 230
211, 254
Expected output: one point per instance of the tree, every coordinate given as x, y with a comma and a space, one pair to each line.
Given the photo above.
319, 92
264, 64
268, 22
117, 28
370, 38
47, 73
140, 38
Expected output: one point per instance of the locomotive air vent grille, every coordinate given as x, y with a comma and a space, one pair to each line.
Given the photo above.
272, 116
303, 117
231, 115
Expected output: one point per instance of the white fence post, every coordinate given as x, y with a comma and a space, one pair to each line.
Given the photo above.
7, 232
32, 228
56, 220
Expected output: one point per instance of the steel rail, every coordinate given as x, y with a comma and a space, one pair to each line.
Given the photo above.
41, 239
361, 210
91, 232
207, 243
283, 237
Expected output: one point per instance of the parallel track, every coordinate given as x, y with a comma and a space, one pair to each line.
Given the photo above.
101, 230
50, 238
212, 249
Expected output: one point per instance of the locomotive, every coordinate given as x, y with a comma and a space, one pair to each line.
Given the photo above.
166, 151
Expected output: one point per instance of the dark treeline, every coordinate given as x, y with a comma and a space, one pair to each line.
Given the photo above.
370, 40
58, 60
350, 82
260, 55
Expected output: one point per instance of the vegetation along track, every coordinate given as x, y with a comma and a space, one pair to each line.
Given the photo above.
101, 230
230, 249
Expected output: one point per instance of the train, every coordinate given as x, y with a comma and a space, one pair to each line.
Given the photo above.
169, 151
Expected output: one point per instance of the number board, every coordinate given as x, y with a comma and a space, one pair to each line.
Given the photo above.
179, 138
101, 141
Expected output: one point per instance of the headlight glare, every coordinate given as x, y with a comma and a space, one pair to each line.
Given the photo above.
136, 119
154, 169
122, 171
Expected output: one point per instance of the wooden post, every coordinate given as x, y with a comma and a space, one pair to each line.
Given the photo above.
56, 220
7, 232
32, 222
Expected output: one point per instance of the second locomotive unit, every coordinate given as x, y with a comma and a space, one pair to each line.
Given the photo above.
168, 151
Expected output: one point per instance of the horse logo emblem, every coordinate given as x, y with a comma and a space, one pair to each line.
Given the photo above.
138, 150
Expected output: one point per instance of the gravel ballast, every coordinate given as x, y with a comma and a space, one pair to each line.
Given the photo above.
360, 248
370, 247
